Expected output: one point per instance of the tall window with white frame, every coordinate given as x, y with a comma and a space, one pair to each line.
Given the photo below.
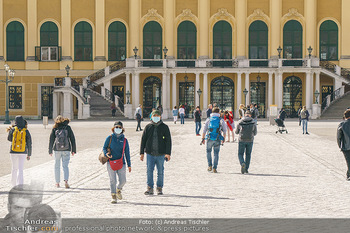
48, 50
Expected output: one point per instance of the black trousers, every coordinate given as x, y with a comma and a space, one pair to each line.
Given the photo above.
138, 125
347, 158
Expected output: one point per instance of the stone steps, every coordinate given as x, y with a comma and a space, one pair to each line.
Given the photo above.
337, 109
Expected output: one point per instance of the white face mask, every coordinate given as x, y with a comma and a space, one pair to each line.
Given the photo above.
156, 119
117, 130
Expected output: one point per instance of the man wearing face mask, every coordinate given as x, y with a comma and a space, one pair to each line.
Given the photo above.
119, 149
156, 142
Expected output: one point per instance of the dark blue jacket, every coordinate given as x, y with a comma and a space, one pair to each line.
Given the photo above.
117, 148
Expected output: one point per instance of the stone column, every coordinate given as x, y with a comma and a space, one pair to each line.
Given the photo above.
174, 90
270, 93
310, 11
164, 95
135, 90
169, 16
317, 85
55, 105
241, 16
67, 105
247, 86
66, 31
2, 59
308, 88
196, 89
238, 92
134, 26
276, 14
345, 34
32, 35
168, 106
280, 90
127, 83
127, 106
203, 15
100, 51
205, 91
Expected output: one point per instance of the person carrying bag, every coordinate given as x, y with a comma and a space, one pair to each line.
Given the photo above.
116, 150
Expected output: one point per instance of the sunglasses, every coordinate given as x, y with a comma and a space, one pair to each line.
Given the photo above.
118, 127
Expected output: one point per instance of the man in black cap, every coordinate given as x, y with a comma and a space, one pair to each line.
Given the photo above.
156, 142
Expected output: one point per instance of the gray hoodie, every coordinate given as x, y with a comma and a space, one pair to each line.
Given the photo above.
246, 128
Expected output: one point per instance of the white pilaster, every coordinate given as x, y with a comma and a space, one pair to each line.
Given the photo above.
108, 85
67, 105
280, 90
270, 94
205, 91
164, 95
247, 86
238, 93
127, 83
137, 89
337, 84
308, 91
54, 105
276, 88
168, 106
196, 89
174, 91
317, 82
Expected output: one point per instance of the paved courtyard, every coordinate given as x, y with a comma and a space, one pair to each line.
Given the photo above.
291, 175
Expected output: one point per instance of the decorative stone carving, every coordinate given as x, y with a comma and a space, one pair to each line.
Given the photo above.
152, 15
186, 15
258, 14
222, 14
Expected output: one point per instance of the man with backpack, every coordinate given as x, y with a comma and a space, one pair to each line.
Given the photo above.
246, 128
62, 142
216, 128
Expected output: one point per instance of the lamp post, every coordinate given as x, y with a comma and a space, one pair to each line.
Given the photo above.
135, 51
279, 49
310, 51
10, 74
317, 93
199, 92
128, 94
165, 50
245, 92
67, 68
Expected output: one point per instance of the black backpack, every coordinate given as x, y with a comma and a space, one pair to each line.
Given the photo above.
61, 141
253, 113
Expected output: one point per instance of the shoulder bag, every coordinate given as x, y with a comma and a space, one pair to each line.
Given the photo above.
118, 163
102, 158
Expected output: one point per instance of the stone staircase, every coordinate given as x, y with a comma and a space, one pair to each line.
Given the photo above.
337, 108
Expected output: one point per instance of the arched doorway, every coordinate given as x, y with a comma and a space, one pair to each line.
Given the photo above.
222, 93
292, 95
152, 93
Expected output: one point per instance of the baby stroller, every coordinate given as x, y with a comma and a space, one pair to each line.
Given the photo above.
281, 126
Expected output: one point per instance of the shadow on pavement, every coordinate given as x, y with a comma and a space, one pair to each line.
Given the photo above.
92, 189
199, 197
252, 174
150, 204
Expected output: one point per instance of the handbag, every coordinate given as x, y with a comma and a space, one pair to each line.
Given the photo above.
102, 158
118, 163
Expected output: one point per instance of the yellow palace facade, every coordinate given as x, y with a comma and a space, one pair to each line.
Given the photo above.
283, 53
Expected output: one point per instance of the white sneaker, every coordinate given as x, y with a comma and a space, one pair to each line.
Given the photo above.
114, 198
119, 194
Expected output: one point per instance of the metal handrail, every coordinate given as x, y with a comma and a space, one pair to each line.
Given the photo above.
60, 82
332, 97
76, 83
117, 66
109, 95
120, 105
328, 66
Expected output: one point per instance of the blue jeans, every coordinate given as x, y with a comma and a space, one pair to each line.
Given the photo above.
153, 161
198, 127
210, 145
247, 148
65, 156
182, 117
304, 123
113, 177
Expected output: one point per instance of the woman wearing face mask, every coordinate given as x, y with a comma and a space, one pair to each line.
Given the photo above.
119, 149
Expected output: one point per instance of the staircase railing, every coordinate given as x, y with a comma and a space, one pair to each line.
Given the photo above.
328, 66
117, 66
345, 73
119, 104
332, 97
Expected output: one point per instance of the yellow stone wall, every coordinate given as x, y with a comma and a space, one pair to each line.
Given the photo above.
15, 9
117, 9
49, 9
186, 4
227, 4
83, 9
264, 5
148, 4
288, 4
329, 9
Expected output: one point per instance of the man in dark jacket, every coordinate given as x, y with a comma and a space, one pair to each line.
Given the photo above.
343, 139
282, 114
246, 129
156, 142
198, 120
209, 110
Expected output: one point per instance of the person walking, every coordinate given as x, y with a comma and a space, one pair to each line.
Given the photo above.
113, 108
209, 110
175, 114
246, 129
254, 112
304, 116
116, 148
214, 132
138, 115
299, 116
282, 114
21, 148
343, 139
198, 120
62, 143
228, 118
182, 114
156, 142
241, 111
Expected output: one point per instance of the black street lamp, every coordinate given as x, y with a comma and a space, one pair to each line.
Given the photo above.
165, 50
135, 51
317, 93
245, 92
10, 74
310, 51
199, 91
67, 70
128, 94
279, 49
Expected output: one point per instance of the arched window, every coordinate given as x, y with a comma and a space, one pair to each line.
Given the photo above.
15, 41
83, 42
222, 92
152, 41
152, 94
48, 49
329, 40
292, 95
292, 40
186, 40
222, 40
258, 40
116, 41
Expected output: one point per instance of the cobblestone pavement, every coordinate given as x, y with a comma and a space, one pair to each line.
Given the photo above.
291, 176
